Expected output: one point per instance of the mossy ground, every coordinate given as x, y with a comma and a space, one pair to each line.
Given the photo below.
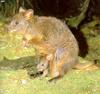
17, 81
91, 32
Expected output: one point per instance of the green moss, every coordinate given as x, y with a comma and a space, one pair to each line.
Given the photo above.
94, 48
18, 82
11, 47
13, 54
93, 39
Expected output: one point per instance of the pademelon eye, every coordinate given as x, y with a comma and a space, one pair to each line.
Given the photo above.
42, 64
16, 23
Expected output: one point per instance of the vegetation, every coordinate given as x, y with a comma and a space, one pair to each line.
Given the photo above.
18, 82
91, 31
10, 7
75, 21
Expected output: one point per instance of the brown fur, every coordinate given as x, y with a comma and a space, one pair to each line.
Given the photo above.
48, 35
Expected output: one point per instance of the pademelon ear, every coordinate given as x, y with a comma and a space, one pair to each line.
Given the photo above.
29, 14
22, 10
26, 13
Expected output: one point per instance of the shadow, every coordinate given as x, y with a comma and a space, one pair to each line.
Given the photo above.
29, 63
82, 42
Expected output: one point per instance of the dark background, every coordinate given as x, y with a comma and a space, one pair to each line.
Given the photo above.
65, 8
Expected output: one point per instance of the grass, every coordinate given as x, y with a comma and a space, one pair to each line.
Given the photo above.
18, 82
